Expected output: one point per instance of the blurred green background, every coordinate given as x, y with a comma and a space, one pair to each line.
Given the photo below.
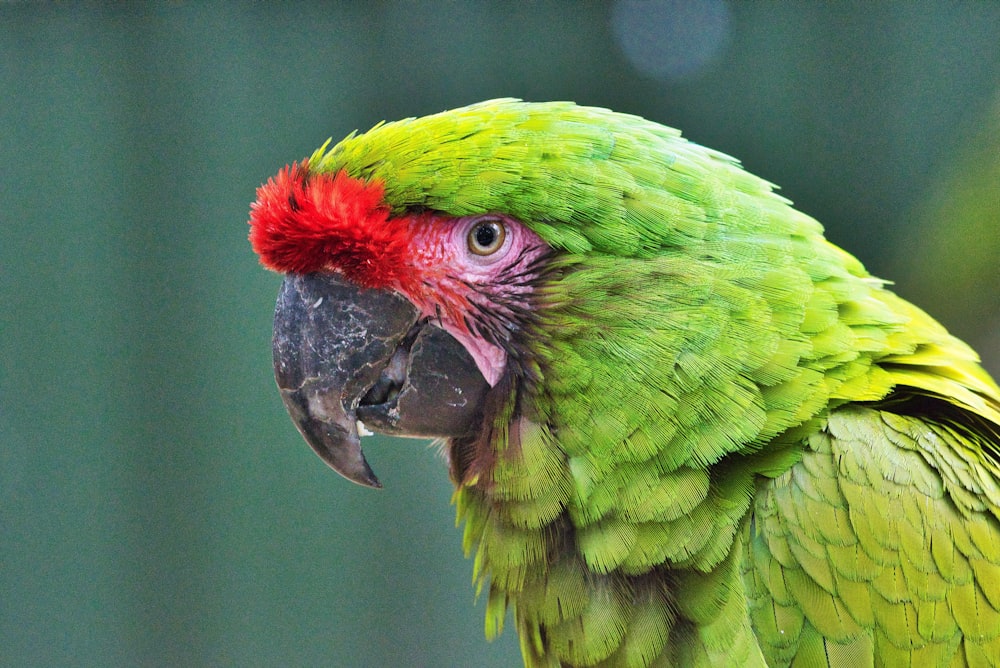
156, 505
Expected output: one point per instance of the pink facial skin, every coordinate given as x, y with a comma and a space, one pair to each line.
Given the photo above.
474, 296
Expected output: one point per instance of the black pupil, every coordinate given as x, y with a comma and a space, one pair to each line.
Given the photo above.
486, 235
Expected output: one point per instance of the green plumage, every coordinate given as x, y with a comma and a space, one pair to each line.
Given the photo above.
732, 446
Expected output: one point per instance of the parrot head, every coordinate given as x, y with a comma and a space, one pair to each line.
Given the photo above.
449, 275
395, 315
402, 324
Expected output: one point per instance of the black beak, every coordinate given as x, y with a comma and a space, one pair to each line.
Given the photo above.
344, 353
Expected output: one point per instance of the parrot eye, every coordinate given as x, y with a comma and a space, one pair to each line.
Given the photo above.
487, 236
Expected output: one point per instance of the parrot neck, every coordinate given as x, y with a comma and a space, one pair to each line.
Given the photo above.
617, 472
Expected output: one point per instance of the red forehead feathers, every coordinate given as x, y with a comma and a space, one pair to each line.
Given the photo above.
304, 222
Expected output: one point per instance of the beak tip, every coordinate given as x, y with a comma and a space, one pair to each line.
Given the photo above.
364, 477
346, 459
334, 437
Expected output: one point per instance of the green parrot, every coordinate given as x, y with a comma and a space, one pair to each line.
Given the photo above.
683, 428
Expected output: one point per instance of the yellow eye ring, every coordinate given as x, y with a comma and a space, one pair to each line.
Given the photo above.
487, 236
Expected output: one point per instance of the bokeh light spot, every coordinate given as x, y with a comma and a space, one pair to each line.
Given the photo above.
670, 39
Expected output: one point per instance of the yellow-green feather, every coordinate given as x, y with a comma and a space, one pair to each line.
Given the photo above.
717, 463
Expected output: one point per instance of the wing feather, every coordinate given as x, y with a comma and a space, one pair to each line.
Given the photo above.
885, 534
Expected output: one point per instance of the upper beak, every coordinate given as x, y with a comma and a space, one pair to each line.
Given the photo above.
342, 352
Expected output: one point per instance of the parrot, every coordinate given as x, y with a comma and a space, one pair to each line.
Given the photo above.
683, 428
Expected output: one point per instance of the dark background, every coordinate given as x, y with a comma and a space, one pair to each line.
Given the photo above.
156, 505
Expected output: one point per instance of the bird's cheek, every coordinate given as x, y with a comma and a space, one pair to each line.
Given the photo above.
452, 311
490, 359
